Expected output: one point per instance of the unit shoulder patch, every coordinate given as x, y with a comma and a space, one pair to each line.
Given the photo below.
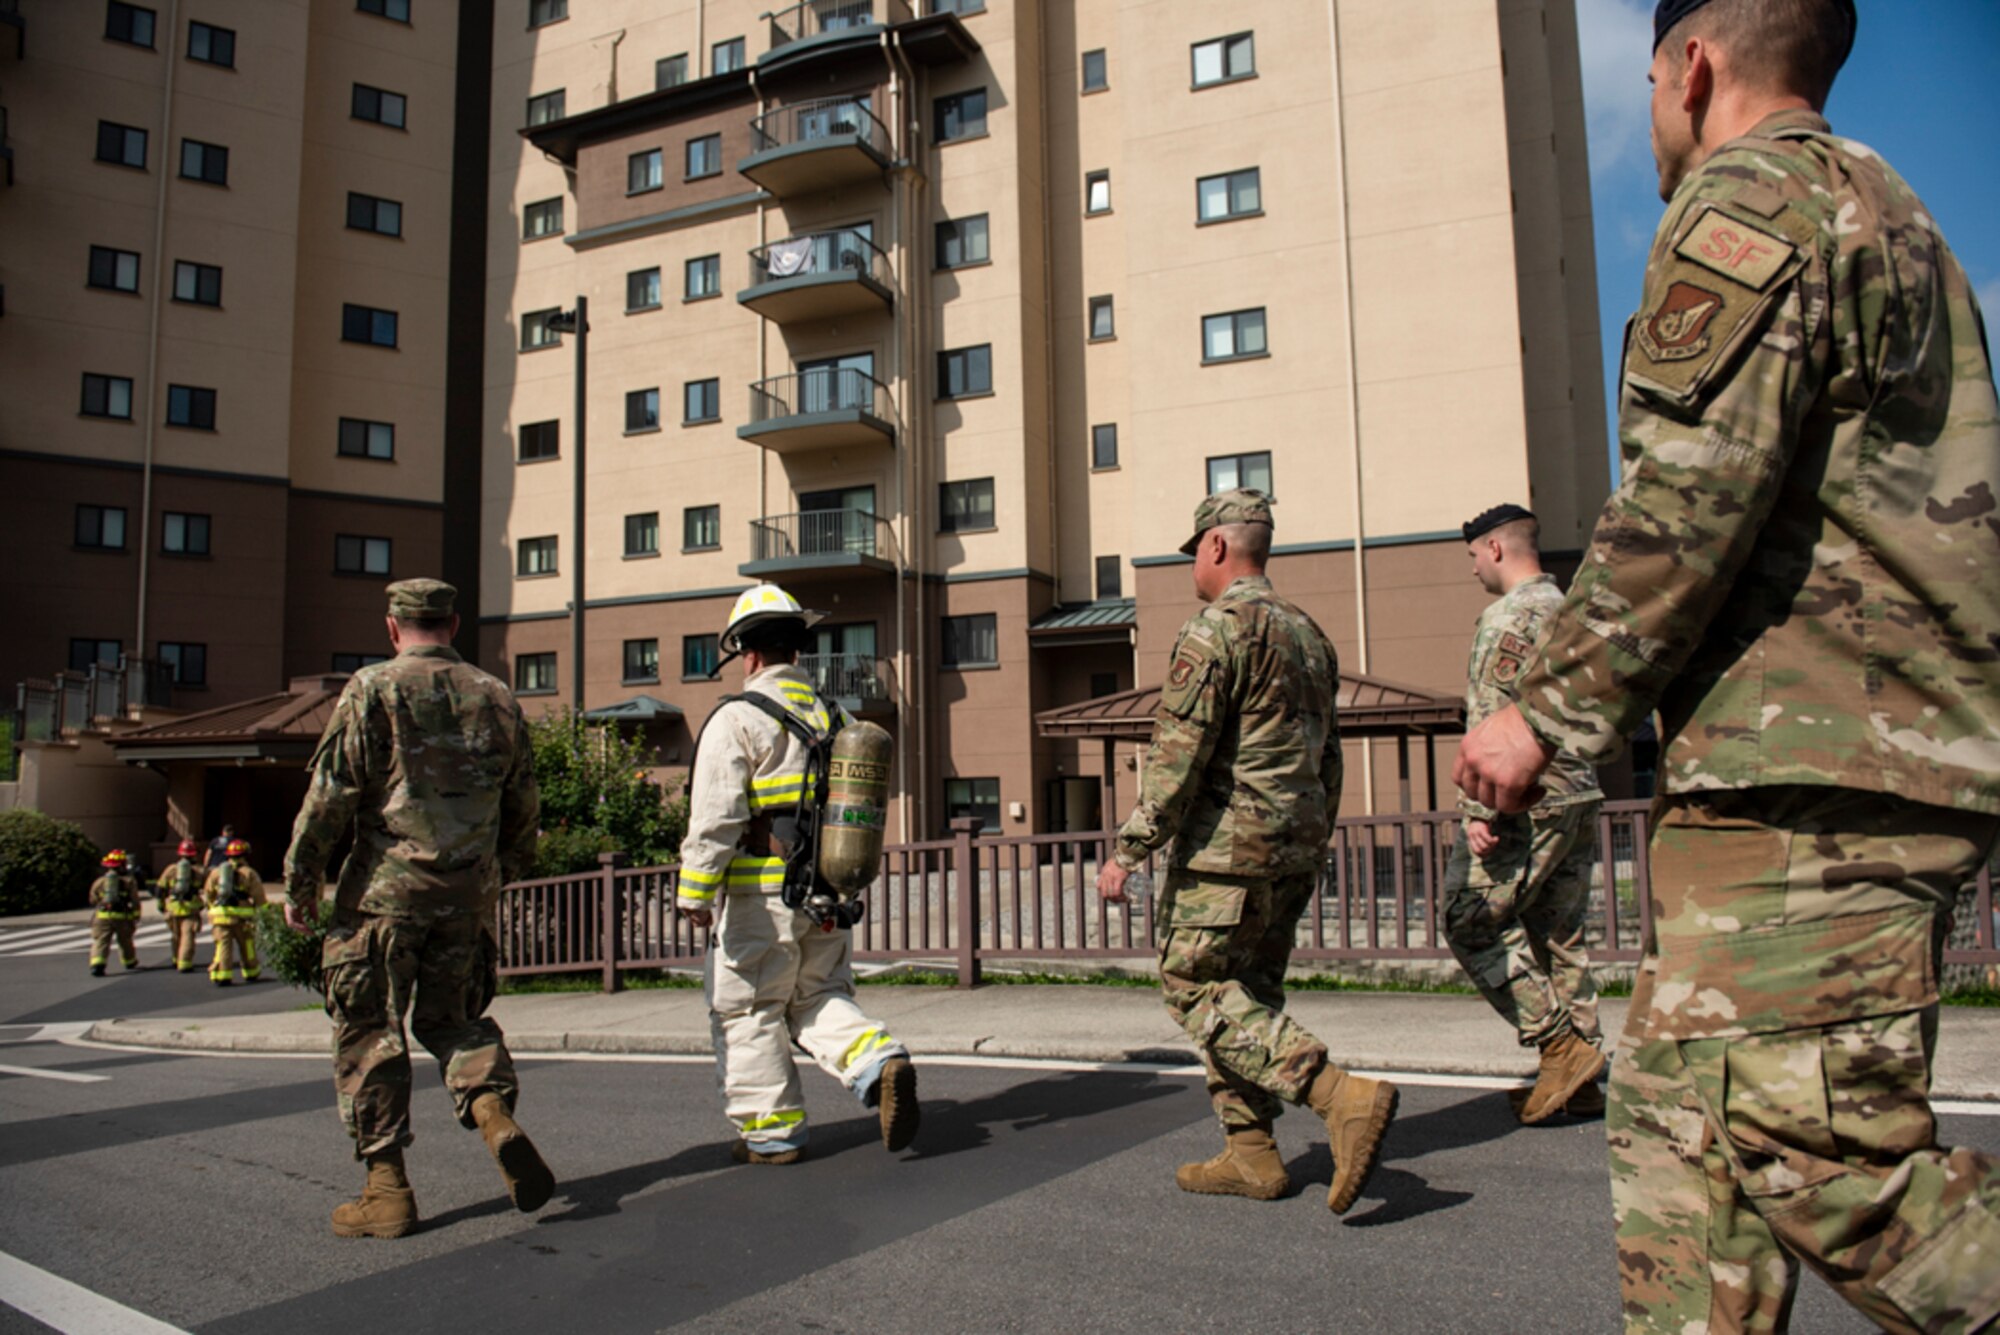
1676, 329
1506, 667
1736, 250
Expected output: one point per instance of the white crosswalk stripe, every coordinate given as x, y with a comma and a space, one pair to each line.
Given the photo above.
63, 940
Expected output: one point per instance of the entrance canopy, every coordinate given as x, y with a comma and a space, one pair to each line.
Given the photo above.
1369, 707
282, 727
639, 709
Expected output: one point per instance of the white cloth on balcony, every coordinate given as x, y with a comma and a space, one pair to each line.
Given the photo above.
788, 259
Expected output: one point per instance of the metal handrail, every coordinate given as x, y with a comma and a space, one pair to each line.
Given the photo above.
823, 118
819, 533
828, 389
841, 250
848, 676
817, 18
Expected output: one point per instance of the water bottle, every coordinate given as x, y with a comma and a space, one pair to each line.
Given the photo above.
1138, 887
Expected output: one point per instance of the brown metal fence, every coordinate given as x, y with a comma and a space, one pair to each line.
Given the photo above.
1033, 897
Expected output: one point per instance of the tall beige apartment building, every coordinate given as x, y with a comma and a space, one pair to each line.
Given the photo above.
944, 318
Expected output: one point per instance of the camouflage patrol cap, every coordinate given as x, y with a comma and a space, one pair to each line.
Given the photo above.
1669, 12
420, 599
1243, 505
1485, 522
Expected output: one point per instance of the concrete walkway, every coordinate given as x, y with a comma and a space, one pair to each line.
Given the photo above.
1374, 1031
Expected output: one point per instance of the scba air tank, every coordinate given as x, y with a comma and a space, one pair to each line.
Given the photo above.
857, 808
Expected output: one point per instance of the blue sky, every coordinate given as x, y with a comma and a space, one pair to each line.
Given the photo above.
1922, 88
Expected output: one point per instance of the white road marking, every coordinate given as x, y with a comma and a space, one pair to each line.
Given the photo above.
60, 941
26, 934
50, 1073
70, 1308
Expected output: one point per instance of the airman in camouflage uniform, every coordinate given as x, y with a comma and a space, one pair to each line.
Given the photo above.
426, 760
1517, 887
1244, 776
1797, 571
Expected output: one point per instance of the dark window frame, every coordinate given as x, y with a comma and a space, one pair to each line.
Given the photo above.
709, 267
631, 661
122, 22
539, 210
1195, 81
553, 435
214, 162
365, 434
1236, 328
739, 55
352, 663
976, 519
635, 529
956, 233
1103, 82
373, 205
195, 405
104, 262
630, 289
536, 674
953, 632
1230, 212
710, 389
1098, 461
221, 44
381, 8
711, 145
104, 386
959, 7
699, 657
363, 546
645, 171
125, 133
366, 95
353, 312
965, 363
185, 676
538, 106
528, 318
1091, 178
90, 520
660, 67
207, 283
698, 521
646, 421
190, 546
975, 804
949, 110
1092, 307
530, 552
1114, 566
551, 11
94, 654
1238, 458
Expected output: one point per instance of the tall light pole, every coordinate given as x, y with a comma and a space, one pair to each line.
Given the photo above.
577, 322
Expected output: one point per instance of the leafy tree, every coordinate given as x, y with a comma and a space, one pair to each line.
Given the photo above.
597, 797
45, 863
293, 957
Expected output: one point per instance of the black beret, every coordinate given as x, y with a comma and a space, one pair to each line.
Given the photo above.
1669, 12
1478, 527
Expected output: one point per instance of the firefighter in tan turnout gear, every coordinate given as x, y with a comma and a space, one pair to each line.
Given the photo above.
115, 896
234, 893
180, 888
776, 974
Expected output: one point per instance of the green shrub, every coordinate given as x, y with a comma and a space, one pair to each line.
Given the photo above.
45, 863
597, 798
7, 773
293, 957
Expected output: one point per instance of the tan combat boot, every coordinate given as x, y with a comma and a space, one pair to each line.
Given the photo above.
741, 1152
1568, 1064
387, 1208
529, 1181
1357, 1112
897, 1103
1248, 1166
1586, 1103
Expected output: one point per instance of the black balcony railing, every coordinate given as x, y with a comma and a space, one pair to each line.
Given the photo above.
819, 533
821, 18
807, 122
828, 390
46, 710
843, 250
847, 676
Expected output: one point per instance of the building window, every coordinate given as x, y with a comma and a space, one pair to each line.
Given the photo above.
101, 527
1229, 471
704, 277
704, 156
129, 23
360, 556
963, 372
642, 660
702, 402
972, 641
398, 10
535, 556
958, 6
1097, 192
212, 45
535, 674
124, 145
1233, 334
539, 13
726, 56
965, 506
977, 798
380, 106
642, 534
1101, 325
1104, 445
367, 440
701, 527
642, 289
199, 284
1230, 195
191, 407
670, 71
86, 654
352, 663
1095, 77
117, 270
535, 331
366, 213
960, 115
540, 440
184, 534
1224, 59
204, 162
1102, 684
189, 662
642, 410
698, 655
107, 396
962, 242
542, 218
1110, 577
367, 324
642, 171
546, 107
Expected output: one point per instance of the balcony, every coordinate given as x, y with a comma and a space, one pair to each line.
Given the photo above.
816, 23
789, 546
819, 409
819, 275
818, 145
859, 683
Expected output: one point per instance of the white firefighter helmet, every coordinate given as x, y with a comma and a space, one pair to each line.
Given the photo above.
766, 602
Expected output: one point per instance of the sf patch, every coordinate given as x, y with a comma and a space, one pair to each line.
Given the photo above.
1509, 656
1736, 250
1677, 329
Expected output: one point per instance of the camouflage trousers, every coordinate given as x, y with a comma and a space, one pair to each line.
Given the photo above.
1742, 1145
105, 930
440, 975
1514, 918
1222, 968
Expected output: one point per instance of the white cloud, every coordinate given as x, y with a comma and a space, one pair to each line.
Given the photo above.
1989, 301
1617, 41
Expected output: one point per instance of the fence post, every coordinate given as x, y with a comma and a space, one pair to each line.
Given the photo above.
965, 869
609, 917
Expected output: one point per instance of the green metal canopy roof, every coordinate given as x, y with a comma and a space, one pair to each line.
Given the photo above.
1072, 618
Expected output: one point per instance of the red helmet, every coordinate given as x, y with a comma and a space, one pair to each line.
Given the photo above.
190, 849
237, 848
115, 858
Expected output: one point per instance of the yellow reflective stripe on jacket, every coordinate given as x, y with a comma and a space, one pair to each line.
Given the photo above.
220, 914
696, 884
106, 915
756, 872
780, 790
765, 1123
870, 1040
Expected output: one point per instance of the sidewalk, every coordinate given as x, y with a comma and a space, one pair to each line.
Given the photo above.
1374, 1031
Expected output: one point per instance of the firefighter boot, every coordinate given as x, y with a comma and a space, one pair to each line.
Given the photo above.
387, 1207
1248, 1166
896, 1101
1568, 1064
1357, 1111
741, 1152
529, 1181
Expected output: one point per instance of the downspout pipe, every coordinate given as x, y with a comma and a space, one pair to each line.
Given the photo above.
160, 278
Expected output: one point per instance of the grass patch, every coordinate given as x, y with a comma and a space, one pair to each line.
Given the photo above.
635, 980
1974, 996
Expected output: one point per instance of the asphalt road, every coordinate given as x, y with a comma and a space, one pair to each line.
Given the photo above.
195, 1189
